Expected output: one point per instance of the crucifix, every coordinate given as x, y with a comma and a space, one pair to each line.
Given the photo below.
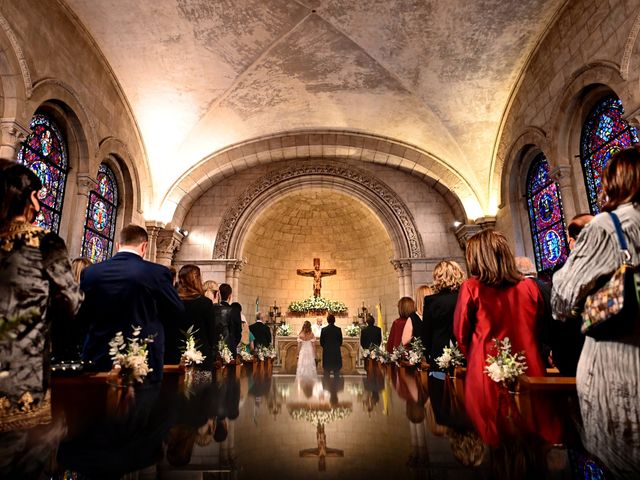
322, 452
317, 275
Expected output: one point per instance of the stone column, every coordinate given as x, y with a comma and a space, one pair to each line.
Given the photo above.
168, 243
153, 229
562, 176
76, 231
405, 281
12, 135
464, 232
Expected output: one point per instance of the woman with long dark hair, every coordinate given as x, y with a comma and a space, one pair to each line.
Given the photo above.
35, 279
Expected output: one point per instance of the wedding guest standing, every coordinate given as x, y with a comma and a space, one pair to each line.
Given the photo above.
608, 375
261, 332
438, 309
414, 327
406, 306
123, 292
331, 341
35, 279
370, 335
198, 315
496, 302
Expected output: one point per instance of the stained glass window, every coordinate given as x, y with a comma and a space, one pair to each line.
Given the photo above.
45, 153
546, 217
604, 133
99, 227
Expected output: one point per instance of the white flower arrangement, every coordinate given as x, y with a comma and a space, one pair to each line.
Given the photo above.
397, 354
505, 367
245, 356
412, 356
224, 352
191, 355
320, 416
266, 352
317, 304
131, 357
451, 357
376, 353
352, 330
284, 330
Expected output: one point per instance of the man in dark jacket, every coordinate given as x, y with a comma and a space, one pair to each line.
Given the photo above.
261, 332
123, 292
370, 335
331, 341
227, 322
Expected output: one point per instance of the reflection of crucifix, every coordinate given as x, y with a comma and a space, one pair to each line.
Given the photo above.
322, 452
317, 275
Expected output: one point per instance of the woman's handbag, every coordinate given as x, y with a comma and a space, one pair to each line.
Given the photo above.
612, 310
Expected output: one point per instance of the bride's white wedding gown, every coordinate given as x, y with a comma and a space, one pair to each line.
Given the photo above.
306, 359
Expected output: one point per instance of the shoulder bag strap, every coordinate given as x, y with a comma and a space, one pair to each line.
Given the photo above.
622, 242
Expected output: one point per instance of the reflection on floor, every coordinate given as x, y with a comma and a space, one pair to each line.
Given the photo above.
246, 423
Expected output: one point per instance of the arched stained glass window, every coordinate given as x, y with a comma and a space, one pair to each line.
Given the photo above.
100, 225
546, 217
44, 151
604, 133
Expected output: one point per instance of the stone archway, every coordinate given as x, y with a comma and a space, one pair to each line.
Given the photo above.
391, 210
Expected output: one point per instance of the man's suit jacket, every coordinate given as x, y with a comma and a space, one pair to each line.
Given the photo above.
262, 334
370, 335
227, 323
122, 292
331, 340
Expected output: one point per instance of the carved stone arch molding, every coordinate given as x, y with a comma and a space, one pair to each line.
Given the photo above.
388, 207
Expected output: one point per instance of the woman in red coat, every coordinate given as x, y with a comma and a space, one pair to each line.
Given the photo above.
495, 303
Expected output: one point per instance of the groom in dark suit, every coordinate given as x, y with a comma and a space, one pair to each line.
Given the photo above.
331, 341
123, 291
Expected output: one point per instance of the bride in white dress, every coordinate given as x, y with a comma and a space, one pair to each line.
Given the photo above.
306, 353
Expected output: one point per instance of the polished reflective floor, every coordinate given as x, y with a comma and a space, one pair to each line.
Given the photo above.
389, 424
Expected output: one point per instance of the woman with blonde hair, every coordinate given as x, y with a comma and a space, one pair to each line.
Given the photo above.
438, 309
306, 352
211, 290
495, 303
406, 307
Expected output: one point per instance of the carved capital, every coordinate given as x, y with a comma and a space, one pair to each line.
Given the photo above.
12, 134
167, 244
485, 223
561, 174
85, 184
401, 265
465, 232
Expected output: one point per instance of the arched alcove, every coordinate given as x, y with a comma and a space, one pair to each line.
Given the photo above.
318, 222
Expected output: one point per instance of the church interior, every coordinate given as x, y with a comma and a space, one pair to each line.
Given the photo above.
251, 137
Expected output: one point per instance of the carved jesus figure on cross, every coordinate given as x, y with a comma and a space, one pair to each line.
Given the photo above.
317, 275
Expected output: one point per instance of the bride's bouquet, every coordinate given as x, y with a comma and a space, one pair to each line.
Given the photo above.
131, 357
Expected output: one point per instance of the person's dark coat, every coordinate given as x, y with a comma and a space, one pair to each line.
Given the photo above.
227, 324
370, 335
199, 315
437, 323
331, 341
123, 292
261, 333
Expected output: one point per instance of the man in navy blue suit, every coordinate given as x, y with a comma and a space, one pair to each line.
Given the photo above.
127, 291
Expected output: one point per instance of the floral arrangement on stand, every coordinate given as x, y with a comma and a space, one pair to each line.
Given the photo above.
317, 305
320, 415
245, 356
284, 330
407, 357
223, 352
191, 355
505, 367
131, 357
451, 357
264, 353
352, 330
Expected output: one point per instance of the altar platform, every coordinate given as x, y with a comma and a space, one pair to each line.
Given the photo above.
287, 348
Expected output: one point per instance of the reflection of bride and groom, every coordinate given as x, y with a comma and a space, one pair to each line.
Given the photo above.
330, 341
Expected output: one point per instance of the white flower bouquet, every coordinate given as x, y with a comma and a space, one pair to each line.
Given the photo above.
131, 357
245, 356
284, 330
505, 367
317, 304
224, 352
411, 356
191, 355
352, 330
376, 353
451, 357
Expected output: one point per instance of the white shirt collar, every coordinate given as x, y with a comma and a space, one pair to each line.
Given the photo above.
129, 250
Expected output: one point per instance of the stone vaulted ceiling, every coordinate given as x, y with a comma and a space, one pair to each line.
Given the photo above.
201, 75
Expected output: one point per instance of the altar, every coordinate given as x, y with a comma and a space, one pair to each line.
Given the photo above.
287, 348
